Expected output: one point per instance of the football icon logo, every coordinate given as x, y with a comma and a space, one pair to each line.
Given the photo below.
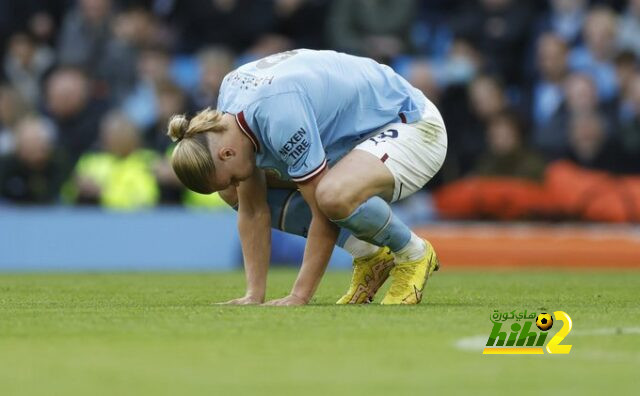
544, 321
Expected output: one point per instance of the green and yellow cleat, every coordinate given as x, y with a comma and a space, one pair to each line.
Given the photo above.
369, 274
409, 279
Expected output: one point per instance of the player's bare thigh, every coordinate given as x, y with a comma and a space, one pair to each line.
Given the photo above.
354, 179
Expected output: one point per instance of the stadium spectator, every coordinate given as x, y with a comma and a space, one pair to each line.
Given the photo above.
589, 145
34, 173
170, 100
456, 68
630, 128
629, 28
626, 68
507, 154
431, 33
500, 30
43, 21
25, 64
12, 109
580, 97
595, 57
453, 76
133, 30
236, 24
85, 34
120, 175
462, 63
421, 76
215, 63
36, 16
153, 68
487, 99
468, 111
76, 114
302, 21
565, 19
378, 29
546, 93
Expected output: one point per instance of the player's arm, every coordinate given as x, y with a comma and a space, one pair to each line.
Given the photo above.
320, 243
254, 227
294, 139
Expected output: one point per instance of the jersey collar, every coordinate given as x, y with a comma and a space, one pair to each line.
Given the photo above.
242, 123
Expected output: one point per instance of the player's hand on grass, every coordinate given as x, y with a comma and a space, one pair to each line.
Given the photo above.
246, 300
288, 301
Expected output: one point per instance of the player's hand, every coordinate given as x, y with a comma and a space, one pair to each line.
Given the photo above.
246, 300
288, 301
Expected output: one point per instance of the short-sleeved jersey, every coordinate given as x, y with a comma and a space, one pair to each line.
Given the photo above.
304, 109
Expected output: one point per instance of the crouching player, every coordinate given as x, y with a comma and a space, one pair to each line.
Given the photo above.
346, 132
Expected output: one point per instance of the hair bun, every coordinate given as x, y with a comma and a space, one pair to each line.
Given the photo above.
178, 125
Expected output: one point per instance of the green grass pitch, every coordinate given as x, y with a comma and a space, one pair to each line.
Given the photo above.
158, 334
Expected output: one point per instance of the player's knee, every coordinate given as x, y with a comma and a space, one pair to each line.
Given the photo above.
230, 196
333, 199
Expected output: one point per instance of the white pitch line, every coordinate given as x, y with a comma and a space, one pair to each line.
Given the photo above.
477, 343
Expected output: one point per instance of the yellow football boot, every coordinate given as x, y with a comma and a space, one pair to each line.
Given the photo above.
369, 273
409, 279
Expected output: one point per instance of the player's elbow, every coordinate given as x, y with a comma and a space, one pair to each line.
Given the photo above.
333, 200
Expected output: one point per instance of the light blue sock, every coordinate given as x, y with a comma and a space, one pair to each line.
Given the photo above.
374, 222
291, 214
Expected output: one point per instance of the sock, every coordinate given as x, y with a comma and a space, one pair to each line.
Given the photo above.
291, 214
374, 222
289, 211
414, 250
358, 248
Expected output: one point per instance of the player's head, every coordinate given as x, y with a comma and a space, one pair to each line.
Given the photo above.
211, 153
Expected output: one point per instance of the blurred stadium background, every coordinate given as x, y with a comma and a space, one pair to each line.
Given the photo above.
541, 100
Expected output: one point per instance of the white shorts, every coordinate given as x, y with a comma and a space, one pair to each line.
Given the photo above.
413, 153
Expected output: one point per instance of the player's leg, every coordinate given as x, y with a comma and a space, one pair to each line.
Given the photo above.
372, 264
291, 214
393, 164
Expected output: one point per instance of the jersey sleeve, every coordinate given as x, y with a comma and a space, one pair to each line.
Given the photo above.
291, 130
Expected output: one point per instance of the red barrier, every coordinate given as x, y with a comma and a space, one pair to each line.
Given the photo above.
568, 192
525, 245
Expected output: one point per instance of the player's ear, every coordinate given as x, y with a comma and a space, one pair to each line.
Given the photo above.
226, 153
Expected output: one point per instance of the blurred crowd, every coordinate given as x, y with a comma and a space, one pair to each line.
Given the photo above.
87, 86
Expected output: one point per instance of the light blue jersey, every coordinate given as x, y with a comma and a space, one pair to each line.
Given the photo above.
305, 109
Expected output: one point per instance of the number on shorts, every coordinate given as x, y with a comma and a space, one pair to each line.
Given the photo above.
383, 136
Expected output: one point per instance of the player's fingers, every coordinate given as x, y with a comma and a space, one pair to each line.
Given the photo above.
235, 301
272, 302
247, 301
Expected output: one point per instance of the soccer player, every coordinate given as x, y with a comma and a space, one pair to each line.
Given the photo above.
351, 136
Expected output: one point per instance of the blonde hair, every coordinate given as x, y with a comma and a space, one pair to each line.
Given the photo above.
191, 160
